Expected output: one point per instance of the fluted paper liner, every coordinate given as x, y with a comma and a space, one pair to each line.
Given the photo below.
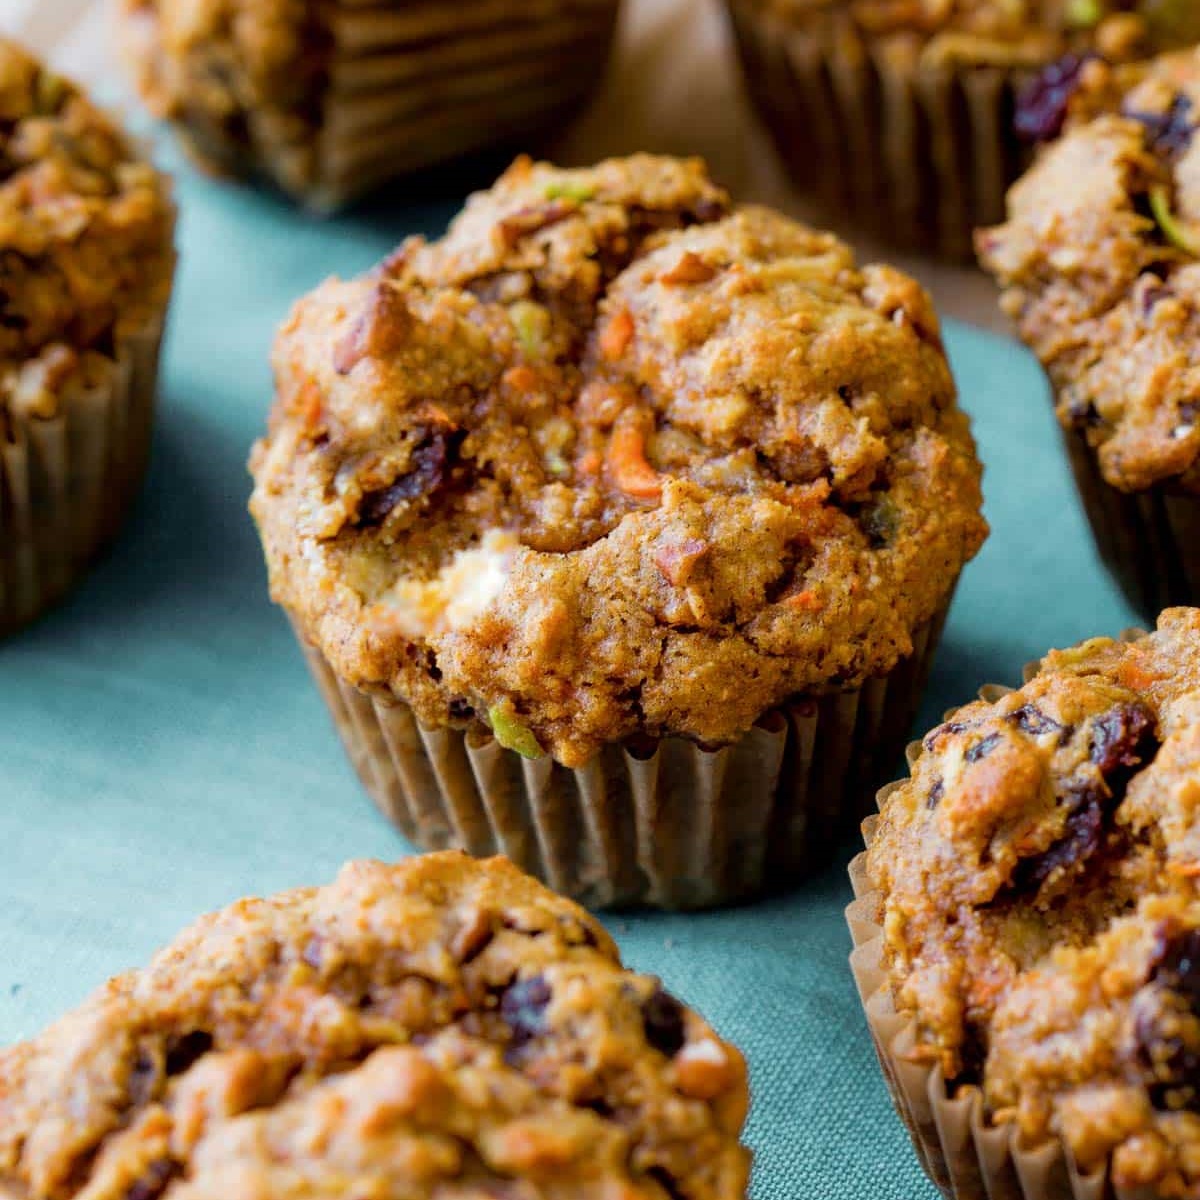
921, 154
667, 824
1149, 540
967, 1157
67, 482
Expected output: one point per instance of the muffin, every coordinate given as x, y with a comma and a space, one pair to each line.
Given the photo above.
1098, 266
439, 1028
619, 525
915, 115
1028, 929
329, 101
86, 262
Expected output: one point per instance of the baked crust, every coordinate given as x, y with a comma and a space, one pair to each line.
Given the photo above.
439, 1028
85, 237
611, 459
1040, 906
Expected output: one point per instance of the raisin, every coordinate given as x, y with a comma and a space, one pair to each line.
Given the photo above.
523, 1008
949, 728
1169, 134
1122, 739
1031, 720
662, 1019
667, 1182
460, 709
1165, 1023
1043, 102
428, 468
936, 791
1178, 966
982, 748
182, 1052
154, 1182
1083, 834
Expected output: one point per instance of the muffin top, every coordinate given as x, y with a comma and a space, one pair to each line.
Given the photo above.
1006, 33
1098, 262
85, 237
610, 459
442, 1028
1041, 907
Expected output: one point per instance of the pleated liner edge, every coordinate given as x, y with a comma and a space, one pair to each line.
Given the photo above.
966, 1157
921, 155
675, 827
66, 483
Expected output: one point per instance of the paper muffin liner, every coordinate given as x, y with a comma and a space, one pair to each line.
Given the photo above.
919, 154
66, 483
1149, 540
965, 1156
668, 823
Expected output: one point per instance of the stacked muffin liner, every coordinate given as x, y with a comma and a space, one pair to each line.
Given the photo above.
921, 153
668, 824
967, 1157
67, 482
1149, 540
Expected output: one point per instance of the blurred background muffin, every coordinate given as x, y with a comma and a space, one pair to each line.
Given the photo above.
917, 114
1028, 929
86, 264
329, 101
1098, 262
621, 525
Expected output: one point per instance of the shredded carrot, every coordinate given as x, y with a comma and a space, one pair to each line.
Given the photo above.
520, 379
589, 463
1188, 870
1134, 676
308, 403
807, 600
627, 463
615, 339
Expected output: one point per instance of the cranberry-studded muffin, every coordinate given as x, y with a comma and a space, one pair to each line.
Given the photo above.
329, 101
611, 476
439, 1028
1035, 985
1098, 265
915, 115
86, 262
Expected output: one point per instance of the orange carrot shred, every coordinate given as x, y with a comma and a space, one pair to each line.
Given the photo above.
615, 339
627, 463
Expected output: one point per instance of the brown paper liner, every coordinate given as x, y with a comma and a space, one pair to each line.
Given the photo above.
66, 483
1149, 540
670, 824
966, 1156
920, 155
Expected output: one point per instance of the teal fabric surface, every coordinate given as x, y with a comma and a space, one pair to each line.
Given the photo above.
162, 750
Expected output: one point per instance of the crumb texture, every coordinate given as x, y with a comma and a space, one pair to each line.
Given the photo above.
1098, 265
443, 1029
1040, 906
85, 239
614, 458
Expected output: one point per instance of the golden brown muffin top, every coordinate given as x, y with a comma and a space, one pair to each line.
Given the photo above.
85, 235
442, 1028
1041, 909
1098, 262
1018, 33
612, 458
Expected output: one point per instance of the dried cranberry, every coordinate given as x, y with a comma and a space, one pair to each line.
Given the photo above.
523, 1007
1170, 133
662, 1019
1042, 103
